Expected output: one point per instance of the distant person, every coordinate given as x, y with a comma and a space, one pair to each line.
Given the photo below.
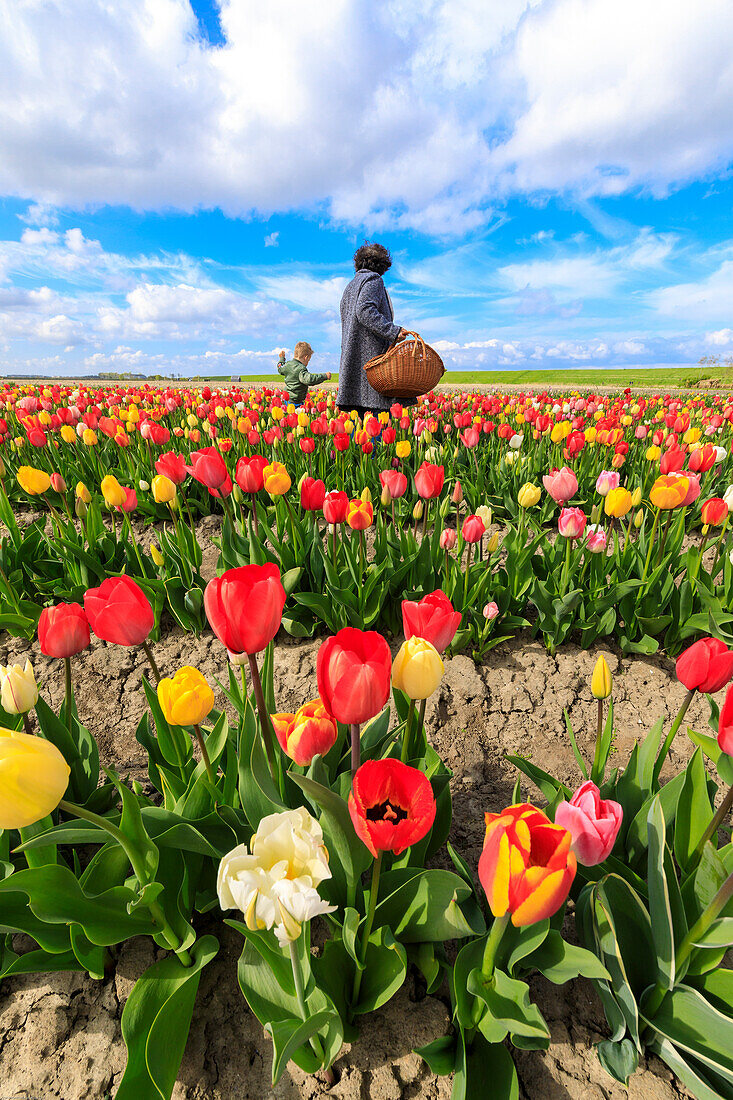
367, 329
296, 374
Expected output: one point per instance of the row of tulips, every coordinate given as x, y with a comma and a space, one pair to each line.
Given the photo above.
335, 812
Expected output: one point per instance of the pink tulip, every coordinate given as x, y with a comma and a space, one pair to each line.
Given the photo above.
572, 522
693, 489
593, 823
725, 723
561, 484
607, 480
491, 610
595, 539
448, 538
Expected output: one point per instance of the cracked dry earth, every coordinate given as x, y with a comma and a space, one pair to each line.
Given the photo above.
60, 1034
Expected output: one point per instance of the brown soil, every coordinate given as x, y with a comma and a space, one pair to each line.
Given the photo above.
60, 1034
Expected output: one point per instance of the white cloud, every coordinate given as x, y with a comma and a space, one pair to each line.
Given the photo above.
409, 114
305, 290
272, 239
709, 299
586, 275
720, 337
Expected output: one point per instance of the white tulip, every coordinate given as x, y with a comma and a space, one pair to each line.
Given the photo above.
275, 885
516, 441
728, 498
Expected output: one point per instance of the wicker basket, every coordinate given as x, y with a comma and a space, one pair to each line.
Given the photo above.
407, 370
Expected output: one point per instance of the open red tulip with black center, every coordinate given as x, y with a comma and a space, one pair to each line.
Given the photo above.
391, 804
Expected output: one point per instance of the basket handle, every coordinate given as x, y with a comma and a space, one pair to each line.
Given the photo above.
418, 342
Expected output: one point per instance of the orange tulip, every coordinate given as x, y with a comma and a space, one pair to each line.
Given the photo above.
359, 514
669, 491
527, 866
309, 731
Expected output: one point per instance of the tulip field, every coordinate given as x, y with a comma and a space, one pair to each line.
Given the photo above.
368, 758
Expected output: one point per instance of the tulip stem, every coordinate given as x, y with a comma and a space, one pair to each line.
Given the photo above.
131, 534
718, 818
670, 737
492, 945
26, 724
355, 747
652, 533
373, 892
67, 677
138, 870
465, 576
404, 755
267, 733
300, 995
151, 659
205, 755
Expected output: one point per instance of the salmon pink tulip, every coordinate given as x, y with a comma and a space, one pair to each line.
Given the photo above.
244, 607
593, 823
354, 672
432, 618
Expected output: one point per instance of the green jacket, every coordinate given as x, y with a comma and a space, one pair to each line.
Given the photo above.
297, 379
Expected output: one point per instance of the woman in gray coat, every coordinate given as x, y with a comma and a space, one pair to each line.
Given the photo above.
367, 329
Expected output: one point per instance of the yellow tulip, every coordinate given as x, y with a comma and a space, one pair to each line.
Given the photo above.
653, 453
186, 699
276, 479
89, 437
67, 433
484, 514
493, 543
276, 413
636, 497
33, 778
417, 669
601, 683
529, 495
113, 493
618, 502
33, 481
156, 555
83, 493
164, 490
18, 689
403, 448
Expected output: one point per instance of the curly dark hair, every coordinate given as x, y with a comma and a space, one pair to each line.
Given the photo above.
372, 257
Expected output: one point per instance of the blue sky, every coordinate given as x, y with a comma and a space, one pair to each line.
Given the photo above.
183, 187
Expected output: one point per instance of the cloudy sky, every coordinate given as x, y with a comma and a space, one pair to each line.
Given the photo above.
184, 182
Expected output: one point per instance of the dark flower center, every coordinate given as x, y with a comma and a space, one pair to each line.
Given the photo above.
385, 811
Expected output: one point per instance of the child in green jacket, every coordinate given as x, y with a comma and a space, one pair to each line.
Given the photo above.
296, 374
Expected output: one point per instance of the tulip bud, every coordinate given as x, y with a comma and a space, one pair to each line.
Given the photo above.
156, 555
237, 494
18, 690
493, 543
636, 497
601, 683
366, 494
638, 519
80, 508
58, 483
385, 498
417, 511
143, 486
595, 513
3, 470
457, 496
427, 437
448, 538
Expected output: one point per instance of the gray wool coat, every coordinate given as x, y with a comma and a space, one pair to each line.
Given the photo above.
367, 329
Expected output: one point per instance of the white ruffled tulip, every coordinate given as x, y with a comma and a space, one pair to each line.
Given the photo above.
276, 883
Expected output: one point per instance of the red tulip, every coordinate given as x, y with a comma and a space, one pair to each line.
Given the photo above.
335, 507
354, 672
172, 466
391, 804
429, 480
714, 512
725, 723
208, 467
341, 441
395, 482
244, 607
312, 494
119, 611
130, 500
63, 630
248, 474
473, 529
702, 458
433, 619
705, 666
